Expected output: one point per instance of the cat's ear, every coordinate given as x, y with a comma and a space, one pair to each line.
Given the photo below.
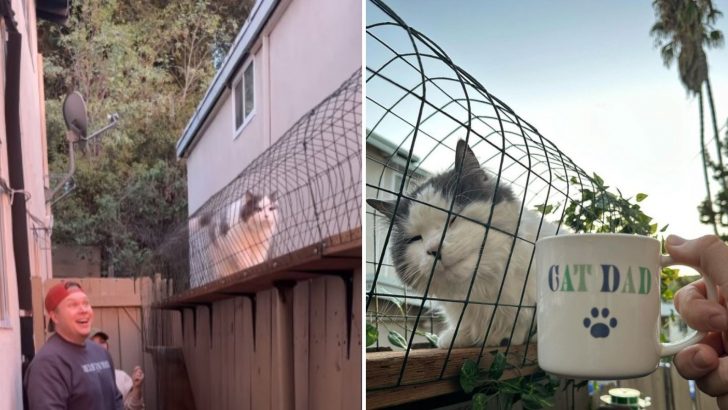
248, 196
385, 207
465, 156
273, 196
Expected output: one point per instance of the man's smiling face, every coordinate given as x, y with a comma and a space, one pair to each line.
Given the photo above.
73, 317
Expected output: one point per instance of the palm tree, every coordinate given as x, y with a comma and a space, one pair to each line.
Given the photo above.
682, 30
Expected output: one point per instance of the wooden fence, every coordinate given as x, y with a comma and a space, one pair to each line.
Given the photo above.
295, 346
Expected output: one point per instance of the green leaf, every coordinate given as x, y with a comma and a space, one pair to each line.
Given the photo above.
496, 368
641, 197
480, 401
396, 339
598, 181
469, 373
545, 209
664, 228
372, 334
511, 386
432, 338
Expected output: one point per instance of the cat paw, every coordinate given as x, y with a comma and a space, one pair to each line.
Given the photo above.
598, 329
444, 339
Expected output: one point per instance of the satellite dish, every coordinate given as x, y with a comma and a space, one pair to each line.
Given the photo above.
74, 113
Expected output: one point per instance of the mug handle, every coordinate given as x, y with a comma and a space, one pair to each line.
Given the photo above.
669, 349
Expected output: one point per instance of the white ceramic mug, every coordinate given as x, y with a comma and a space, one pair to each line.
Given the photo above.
598, 308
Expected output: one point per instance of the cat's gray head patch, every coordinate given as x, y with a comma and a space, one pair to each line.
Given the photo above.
467, 181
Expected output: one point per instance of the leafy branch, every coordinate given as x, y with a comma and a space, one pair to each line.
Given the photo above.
534, 392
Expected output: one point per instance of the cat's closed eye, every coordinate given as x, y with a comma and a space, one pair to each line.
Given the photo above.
414, 239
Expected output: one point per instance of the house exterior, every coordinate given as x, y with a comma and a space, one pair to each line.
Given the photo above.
276, 137
25, 218
288, 52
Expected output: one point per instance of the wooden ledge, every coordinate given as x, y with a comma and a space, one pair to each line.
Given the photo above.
335, 255
421, 378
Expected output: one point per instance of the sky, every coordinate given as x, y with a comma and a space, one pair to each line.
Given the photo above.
587, 75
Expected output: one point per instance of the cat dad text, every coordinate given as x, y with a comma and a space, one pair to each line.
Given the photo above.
606, 278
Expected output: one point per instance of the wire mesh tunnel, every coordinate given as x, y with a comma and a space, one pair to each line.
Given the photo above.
302, 190
459, 189
285, 232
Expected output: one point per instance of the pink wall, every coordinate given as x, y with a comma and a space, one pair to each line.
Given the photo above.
32, 124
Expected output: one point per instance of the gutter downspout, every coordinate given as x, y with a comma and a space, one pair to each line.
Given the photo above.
19, 217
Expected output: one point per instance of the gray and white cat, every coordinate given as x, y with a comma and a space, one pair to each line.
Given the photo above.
417, 230
238, 235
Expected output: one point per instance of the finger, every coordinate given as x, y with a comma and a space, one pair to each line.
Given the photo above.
708, 254
697, 311
696, 361
715, 383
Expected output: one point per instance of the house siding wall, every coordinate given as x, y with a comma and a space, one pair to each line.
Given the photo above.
35, 172
293, 73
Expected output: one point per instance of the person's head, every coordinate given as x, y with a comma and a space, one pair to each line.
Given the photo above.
101, 338
70, 311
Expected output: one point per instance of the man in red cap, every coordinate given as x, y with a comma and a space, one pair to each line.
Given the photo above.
70, 372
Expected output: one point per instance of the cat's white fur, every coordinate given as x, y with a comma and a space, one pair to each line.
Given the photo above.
228, 244
459, 252
247, 242
501, 268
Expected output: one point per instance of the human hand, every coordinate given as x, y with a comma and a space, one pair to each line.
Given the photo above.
704, 362
137, 376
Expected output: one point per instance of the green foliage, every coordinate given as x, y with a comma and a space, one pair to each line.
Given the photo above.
534, 392
600, 210
397, 339
372, 334
151, 62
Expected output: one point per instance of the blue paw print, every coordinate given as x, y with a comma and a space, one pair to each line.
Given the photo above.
599, 329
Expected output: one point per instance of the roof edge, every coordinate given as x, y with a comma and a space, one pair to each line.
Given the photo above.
257, 19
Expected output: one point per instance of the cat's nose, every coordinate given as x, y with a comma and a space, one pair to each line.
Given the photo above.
435, 252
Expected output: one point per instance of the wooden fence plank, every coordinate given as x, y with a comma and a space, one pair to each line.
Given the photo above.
352, 388
39, 320
261, 382
188, 349
301, 343
243, 353
228, 334
106, 292
131, 346
318, 393
202, 356
282, 361
215, 358
335, 339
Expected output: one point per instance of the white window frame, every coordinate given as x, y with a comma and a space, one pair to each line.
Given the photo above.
241, 80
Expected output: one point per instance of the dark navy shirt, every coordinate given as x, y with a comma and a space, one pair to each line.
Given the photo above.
67, 376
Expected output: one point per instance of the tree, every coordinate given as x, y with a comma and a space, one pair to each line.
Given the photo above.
150, 61
683, 30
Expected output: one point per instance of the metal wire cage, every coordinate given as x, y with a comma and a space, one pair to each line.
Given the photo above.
304, 189
420, 104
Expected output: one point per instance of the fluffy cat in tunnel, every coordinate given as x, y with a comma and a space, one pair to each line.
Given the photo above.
238, 235
417, 230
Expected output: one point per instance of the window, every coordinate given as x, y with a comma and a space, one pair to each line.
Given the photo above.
244, 97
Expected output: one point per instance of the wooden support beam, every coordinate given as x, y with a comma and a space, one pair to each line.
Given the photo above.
421, 378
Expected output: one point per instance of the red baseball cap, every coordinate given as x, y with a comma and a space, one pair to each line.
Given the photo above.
58, 292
